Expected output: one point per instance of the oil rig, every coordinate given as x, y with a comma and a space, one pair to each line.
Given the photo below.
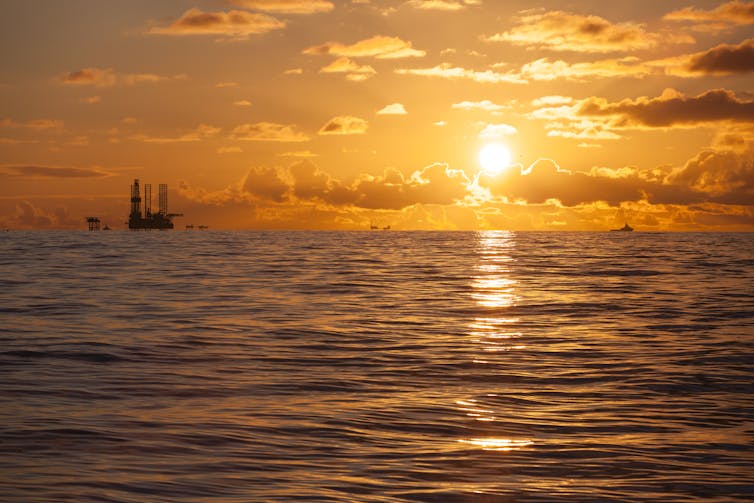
148, 220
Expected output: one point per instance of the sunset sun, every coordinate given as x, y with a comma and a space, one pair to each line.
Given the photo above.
494, 158
349, 250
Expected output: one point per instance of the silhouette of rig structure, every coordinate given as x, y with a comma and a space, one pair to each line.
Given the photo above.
94, 223
148, 220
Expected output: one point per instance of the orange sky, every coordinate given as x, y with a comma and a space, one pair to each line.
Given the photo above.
322, 114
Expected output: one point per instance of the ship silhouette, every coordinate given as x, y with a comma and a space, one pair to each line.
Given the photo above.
625, 228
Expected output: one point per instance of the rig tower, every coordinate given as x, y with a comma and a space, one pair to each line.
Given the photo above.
93, 223
160, 220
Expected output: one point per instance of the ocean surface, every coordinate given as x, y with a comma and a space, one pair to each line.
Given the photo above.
376, 366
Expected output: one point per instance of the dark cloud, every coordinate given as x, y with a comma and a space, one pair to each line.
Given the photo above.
723, 177
90, 76
672, 108
733, 12
726, 176
344, 125
107, 77
566, 31
435, 184
266, 183
724, 59
309, 182
235, 23
305, 182
545, 180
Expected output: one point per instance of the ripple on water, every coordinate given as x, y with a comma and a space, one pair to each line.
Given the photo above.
390, 366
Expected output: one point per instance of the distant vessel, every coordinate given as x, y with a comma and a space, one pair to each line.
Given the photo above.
625, 228
148, 220
377, 227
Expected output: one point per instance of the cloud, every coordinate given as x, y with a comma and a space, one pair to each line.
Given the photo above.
564, 31
242, 103
712, 176
305, 183
596, 118
34, 124
448, 71
344, 125
544, 69
287, 6
380, 47
355, 71
712, 190
102, 77
137, 78
734, 12
724, 59
562, 120
265, 183
582, 130
35, 171
235, 24
299, 153
544, 180
29, 216
106, 77
268, 131
485, 105
497, 131
202, 132
393, 109
294, 71
226, 84
435, 184
726, 176
552, 100
444, 5
671, 108
91, 100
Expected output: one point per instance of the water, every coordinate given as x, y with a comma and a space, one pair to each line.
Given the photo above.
376, 366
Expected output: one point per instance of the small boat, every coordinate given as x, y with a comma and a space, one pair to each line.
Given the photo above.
625, 228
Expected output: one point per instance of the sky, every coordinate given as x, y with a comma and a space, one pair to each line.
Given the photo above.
291, 114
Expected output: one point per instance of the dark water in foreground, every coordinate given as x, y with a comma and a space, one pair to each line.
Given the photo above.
382, 366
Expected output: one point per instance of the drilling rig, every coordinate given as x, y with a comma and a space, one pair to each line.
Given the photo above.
148, 220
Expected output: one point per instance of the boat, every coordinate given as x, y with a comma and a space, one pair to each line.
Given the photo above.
625, 228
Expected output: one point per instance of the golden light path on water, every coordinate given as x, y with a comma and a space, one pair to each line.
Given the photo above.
493, 288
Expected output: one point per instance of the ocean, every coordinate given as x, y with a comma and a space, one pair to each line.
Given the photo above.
378, 366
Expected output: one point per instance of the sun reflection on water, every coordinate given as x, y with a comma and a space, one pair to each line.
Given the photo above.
493, 289
498, 444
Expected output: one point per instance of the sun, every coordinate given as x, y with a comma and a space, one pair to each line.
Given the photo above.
494, 158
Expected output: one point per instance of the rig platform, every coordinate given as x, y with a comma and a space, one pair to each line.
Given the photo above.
147, 220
